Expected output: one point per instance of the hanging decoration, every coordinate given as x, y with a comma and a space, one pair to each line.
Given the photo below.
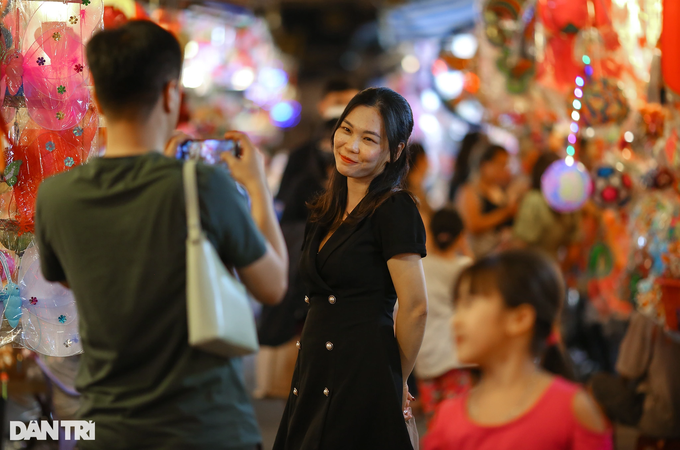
566, 185
54, 127
509, 25
655, 233
613, 187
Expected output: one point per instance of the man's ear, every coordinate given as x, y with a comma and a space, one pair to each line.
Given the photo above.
96, 102
171, 95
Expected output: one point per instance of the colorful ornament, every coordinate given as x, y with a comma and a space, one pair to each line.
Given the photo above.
78, 68
33, 301
671, 150
660, 178
601, 261
69, 162
603, 103
85, 2
73, 20
77, 131
61, 89
62, 319
50, 146
41, 61
672, 260
510, 26
566, 185
56, 36
612, 186
60, 115
12, 172
13, 236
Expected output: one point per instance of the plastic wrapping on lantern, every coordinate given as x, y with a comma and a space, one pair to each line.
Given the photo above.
45, 153
11, 304
54, 121
55, 82
49, 319
82, 18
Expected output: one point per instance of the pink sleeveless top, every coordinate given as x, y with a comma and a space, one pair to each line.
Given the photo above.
549, 425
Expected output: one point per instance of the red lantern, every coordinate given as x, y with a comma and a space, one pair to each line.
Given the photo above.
670, 44
113, 17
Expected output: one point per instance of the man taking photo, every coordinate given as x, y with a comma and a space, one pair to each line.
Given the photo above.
114, 231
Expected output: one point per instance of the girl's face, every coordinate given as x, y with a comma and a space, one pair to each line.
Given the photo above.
496, 170
360, 145
480, 324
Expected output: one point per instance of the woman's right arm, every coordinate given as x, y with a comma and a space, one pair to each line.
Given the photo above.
470, 209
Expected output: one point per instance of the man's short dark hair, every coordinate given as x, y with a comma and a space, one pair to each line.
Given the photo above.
131, 65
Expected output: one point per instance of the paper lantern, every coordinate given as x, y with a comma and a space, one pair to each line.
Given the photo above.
566, 187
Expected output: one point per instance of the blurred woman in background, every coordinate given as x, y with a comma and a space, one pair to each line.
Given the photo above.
483, 203
539, 226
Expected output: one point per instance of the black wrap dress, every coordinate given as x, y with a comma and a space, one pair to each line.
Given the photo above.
347, 387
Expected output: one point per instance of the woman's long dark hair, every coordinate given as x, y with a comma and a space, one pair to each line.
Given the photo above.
329, 208
461, 169
525, 277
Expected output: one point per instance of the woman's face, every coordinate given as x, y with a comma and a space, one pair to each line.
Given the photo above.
360, 146
496, 170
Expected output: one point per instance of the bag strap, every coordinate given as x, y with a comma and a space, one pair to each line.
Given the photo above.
191, 200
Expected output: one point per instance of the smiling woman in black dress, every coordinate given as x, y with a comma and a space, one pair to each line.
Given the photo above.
363, 248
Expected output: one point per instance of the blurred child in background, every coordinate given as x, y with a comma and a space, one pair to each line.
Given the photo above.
506, 308
440, 376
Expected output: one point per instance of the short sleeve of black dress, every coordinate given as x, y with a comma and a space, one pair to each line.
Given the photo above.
398, 227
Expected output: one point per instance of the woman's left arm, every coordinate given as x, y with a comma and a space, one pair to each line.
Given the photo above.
407, 275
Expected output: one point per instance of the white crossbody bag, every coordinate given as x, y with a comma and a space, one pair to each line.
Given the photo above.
220, 319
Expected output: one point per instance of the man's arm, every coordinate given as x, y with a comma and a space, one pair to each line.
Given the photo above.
267, 277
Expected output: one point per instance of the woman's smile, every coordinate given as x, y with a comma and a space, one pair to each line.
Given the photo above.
347, 160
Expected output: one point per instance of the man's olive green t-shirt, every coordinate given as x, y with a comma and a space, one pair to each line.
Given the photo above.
115, 230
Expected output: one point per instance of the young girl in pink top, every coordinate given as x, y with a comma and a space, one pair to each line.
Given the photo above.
506, 307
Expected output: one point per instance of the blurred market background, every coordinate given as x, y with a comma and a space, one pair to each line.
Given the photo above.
582, 78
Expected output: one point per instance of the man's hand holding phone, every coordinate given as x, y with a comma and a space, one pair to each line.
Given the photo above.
245, 161
171, 148
248, 167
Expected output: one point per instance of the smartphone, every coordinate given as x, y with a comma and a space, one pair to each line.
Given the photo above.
208, 151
